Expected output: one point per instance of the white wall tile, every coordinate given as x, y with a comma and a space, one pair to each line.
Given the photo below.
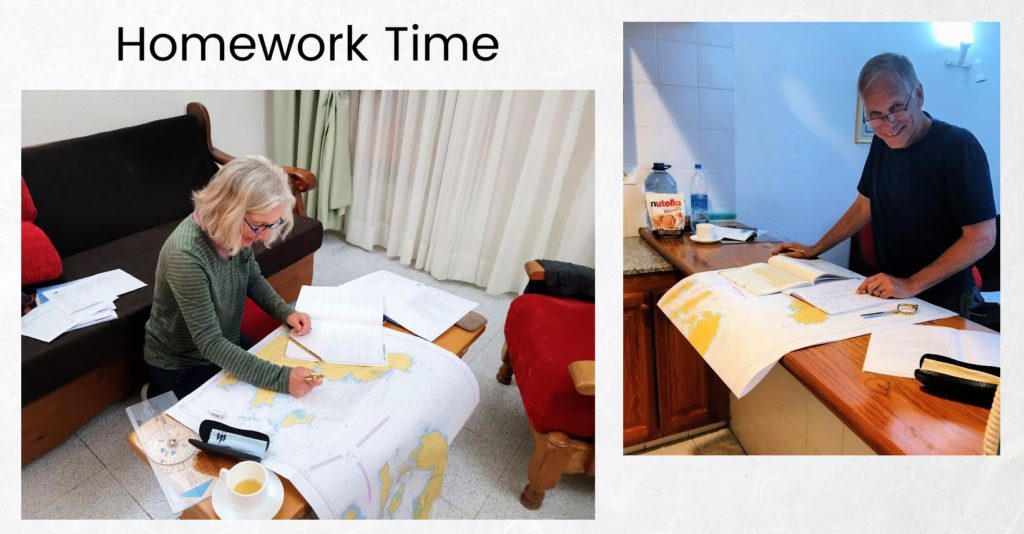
677, 63
677, 147
853, 445
717, 149
648, 107
824, 429
717, 109
717, 67
715, 33
678, 31
639, 59
721, 190
681, 104
642, 29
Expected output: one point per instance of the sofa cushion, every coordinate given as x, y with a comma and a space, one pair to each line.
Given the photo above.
48, 366
544, 335
95, 189
39, 260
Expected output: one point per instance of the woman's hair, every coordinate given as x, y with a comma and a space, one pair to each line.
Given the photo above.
245, 184
887, 64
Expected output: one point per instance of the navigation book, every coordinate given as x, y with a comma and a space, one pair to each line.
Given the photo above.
783, 272
347, 327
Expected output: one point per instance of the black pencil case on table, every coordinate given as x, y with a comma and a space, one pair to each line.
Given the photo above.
947, 377
258, 441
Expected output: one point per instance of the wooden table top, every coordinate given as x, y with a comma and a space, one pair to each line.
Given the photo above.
893, 415
454, 340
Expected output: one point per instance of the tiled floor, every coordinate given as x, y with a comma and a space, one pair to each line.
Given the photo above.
718, 443
93, 475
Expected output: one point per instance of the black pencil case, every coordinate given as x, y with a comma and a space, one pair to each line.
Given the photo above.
230, 441
947, 377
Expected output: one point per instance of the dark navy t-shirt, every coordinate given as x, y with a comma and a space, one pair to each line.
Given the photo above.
921, 196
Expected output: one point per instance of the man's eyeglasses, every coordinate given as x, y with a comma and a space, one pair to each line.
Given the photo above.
262, 227
897, 115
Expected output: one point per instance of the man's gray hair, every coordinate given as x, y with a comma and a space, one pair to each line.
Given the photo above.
885, 64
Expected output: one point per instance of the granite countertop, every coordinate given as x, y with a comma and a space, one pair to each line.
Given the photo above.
639, 258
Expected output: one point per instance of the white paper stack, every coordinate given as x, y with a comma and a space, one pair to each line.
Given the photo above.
77, 304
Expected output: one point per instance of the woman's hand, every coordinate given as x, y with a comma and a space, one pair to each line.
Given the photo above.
300, 323
302, 380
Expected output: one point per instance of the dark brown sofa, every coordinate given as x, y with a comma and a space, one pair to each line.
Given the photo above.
109, 201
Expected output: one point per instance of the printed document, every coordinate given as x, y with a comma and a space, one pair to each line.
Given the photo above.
898, 352
840, 296
420, 309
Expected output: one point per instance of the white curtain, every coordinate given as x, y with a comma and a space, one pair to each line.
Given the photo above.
469, 185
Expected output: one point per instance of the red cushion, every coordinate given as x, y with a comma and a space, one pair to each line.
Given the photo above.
28, 208
544, 335
256, 323
866, 241
39, 260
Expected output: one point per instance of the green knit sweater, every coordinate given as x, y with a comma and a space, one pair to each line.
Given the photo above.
198, 299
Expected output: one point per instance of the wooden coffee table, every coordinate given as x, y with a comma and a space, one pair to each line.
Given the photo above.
454, 340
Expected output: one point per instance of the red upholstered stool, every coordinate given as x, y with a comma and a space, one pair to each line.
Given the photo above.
549, 346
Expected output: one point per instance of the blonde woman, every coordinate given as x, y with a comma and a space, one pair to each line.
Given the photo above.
206, 269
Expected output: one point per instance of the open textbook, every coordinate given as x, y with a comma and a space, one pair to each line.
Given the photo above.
898, 351
782, 273
347, 327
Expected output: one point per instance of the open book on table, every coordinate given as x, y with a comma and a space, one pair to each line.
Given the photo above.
782, 273
347, 327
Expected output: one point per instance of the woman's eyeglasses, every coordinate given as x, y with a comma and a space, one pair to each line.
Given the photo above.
262, 227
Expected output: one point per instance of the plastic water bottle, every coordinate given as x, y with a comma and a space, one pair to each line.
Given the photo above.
659, 181
698, 199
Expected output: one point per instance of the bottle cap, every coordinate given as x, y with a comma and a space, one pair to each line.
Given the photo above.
662, 166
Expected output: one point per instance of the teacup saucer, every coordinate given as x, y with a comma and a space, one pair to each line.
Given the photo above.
266, 509
696, 239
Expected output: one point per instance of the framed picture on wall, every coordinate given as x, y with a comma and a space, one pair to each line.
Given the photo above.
863, 132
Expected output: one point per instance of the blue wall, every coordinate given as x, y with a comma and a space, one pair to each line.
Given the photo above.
797, 165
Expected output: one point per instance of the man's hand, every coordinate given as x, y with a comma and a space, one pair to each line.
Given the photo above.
887, 287
794, 250
300, 323
298, 385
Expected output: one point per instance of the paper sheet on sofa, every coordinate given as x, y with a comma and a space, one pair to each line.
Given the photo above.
347, 326
47, 321
371, 442
742, 338
898, 352
420, 309
85, 292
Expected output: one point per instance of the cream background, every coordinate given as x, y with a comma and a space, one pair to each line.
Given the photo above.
567, 45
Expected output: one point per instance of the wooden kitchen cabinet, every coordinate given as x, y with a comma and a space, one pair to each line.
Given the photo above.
667, 387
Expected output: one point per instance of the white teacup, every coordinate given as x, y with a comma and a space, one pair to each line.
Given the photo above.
247, 482
705, 231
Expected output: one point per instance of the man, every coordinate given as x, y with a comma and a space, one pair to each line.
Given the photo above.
925, 189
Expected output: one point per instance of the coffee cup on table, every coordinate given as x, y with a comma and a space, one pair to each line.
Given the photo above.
705, 232
247, 482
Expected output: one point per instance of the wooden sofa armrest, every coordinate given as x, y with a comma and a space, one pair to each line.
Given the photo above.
534, 270
300, 180
582, 373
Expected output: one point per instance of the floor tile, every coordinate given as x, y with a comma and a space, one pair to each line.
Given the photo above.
474, 466
99, 497
681, 448
445, 510
56, 473
714, 440
500, 416
572, 498
733, 449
